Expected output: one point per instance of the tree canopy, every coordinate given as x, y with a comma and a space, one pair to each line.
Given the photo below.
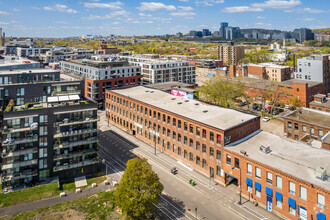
138, 189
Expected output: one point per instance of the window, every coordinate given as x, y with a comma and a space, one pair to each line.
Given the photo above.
258, 172
304, 128
204, 133
174, 148
279, 182
185, 154
191, 129
296, 127
278, 203
42, 152
185, 140
203, 148
258, 193
164, 131
198, 132
43, 130
168, 120
198, 146
228, 159
303, 193
191, 157
269, 177
211, 136
292, 210
218, 171
179, 124
211, 152
249, 189
320, 133
168, 146
179, 137
311, 131
198, 160
174, 122
185, 126
164, 118
179, 151
218, 139
249, 169
292, 188
191, 143
236, 163
320, 200
204, 163
168, 133
289, 125
174, 135
218, 155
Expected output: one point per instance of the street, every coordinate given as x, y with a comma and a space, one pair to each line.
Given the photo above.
180, 200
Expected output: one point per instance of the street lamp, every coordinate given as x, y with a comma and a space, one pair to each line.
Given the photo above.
240, 185
106, 166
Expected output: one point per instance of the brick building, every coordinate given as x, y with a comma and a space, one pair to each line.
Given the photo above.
228, 146
230, 54
306, 123
321, 102
108, 50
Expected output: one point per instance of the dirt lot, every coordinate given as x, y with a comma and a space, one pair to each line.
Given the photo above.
273, 126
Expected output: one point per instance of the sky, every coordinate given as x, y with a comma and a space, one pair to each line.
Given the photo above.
66, 18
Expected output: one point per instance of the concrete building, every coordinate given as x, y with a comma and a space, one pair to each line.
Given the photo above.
103, 72
15, 63
321, 102
2, 38
230, 54
232, 33
193, 33
227, 146
322, 37
222, 31
206, 32
32, 51
49, 132
179, 34
158, 70
303, 34
315, 68
58, 55
306, 123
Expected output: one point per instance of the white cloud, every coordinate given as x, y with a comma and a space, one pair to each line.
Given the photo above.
145, 15
261, 17
208, 2
16, 9
277, 4
305, 10
154, 6
116, 22
60, 22
184, 0
185, 8
35, 8
114, 14
4, 13
3, 23
238, 9
184, 14
61, 8
307, 19
263, 25
111, 5
311, 10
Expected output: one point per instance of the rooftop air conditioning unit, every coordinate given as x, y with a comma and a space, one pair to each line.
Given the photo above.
320, 173
264, 149
243, 152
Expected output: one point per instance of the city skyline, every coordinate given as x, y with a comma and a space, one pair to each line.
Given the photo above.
62, 18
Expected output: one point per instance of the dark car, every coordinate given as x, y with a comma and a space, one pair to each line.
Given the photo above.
174, 170
259, 108
276, 112
281, 110
255, 106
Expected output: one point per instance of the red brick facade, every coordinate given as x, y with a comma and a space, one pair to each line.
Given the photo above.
205, 151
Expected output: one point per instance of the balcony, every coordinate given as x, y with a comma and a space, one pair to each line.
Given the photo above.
19, 152
68, 144
20, 141
76, 122
75, 132
20, 175
17, 164
75, 165
33, 126
74, 154
75, 92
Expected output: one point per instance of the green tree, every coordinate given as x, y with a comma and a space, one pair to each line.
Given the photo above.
139, 189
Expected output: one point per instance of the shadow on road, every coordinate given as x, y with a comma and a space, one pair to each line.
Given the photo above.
170, 208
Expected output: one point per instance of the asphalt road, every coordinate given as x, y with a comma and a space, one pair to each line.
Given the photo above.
180, 199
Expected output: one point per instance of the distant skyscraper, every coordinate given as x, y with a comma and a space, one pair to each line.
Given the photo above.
232, 33
303, 34
223, 26
206, 32
199, 33
193, 33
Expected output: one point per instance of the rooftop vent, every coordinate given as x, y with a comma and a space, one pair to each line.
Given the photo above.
205, 111
300, 111
186, 100
264, 149
243, 152
320, 173
196, 103
147, 90
151, 91
179, 103
172, 98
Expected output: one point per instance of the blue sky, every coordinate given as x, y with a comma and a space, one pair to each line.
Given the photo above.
63, 18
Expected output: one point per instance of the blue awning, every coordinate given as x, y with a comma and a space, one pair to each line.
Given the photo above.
257, 186
279, 196
320, 216
248, 182
269, 191
292, 203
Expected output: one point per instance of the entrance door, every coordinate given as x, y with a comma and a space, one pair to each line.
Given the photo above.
134, 132
211, 172
269, 203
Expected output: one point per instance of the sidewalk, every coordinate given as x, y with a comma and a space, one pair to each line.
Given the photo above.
24, 207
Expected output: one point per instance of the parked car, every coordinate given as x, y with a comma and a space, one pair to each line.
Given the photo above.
269, 107
259, 107
255, 106
292, 108
241, 104
265, 119
276, 112
281, 110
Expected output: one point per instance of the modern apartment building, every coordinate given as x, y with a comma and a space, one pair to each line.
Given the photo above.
103, 72
56, 56
49, 131
16, 63
157, 70
32, 51
228, 146
230, 54
315, 68
306, 123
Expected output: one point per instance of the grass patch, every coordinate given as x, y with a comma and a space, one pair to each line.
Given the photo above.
97, 206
